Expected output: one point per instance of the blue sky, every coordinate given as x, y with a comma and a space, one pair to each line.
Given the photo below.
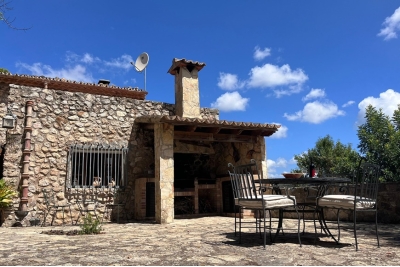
311, 66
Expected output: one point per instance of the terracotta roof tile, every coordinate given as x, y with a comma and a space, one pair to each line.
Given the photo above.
178, 63
263, 128
73, 86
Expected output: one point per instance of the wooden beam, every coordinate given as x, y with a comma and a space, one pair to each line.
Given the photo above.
195, 136
213, 130
235, 131
185, 128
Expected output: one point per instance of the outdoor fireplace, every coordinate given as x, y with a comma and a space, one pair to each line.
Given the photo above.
192, 166
194, 183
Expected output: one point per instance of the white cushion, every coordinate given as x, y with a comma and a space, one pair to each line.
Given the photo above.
345, 202
270, 202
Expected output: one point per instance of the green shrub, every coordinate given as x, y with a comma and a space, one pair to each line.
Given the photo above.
90, 226
7, 194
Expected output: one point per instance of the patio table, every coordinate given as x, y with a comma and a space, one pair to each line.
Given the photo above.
322, 184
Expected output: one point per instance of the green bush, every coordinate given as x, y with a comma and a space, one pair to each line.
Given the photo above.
90, 226
7, 194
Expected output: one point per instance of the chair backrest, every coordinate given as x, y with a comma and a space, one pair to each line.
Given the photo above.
367, 188
242, 180
118, 196
49, 197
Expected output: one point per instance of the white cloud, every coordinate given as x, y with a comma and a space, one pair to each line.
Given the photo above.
275, 168
228, 81
89, 59
314, 93
391, 25
76, 73
387, 101
272, 76
348, 103
316, 112
281, 133
133, 80
291, 90
261, 54
273, 165
231, 102
123, 62
80, 67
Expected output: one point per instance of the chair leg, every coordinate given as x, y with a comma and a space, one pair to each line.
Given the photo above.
70, 214
355, 228
44, 218
338, 225
270, 225
265, 234
376, 226
258, 222
325, 226
95, 215
315, 226
104, 214
240, 225
52, 219
298, 223
79, 216
234, 208
63, 216
304, 222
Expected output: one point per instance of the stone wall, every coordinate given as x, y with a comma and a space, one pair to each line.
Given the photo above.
63, 118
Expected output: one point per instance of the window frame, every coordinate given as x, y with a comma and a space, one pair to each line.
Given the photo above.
85, 162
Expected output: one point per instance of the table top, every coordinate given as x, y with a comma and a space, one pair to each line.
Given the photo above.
307, 180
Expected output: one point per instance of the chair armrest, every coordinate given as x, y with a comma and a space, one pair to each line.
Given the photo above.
262, 189
348, 189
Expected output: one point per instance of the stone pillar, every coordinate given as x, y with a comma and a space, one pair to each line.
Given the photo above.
164, 172
187, 99
263, 146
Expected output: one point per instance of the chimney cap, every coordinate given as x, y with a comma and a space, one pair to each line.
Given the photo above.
179, 63
106, 82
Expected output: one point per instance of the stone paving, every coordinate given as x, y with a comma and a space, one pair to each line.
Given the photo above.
199, 241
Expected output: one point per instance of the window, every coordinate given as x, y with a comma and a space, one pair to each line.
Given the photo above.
96, 165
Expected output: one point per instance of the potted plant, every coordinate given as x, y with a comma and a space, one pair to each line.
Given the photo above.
7, 194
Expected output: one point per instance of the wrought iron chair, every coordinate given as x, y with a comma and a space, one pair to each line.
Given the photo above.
86, 207
249, 196
52, 204
118, 201
363, 199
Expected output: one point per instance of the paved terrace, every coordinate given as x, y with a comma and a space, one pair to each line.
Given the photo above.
200, 241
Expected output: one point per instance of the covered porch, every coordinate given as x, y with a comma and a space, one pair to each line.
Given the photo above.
191, 158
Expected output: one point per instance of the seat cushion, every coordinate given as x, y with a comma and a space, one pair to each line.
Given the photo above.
345, 202
270, 202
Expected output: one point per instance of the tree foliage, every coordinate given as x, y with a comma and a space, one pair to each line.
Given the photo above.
7, 194
3, 70
330, 157
4, 8
380, 141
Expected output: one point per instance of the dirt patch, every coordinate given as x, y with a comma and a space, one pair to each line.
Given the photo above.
60, 232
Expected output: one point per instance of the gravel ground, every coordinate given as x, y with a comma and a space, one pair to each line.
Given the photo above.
199, 241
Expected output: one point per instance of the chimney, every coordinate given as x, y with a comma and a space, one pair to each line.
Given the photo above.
187, 98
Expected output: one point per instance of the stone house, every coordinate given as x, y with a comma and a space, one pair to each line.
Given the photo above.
89, 141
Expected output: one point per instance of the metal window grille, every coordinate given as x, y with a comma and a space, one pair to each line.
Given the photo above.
96, 165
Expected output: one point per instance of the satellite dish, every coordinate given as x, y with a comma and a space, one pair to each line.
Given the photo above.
142, 61
141, 64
